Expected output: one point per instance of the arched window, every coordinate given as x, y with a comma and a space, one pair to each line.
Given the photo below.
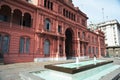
5, 13
17, 16
46, 47
4, 43
27, 20
47, 25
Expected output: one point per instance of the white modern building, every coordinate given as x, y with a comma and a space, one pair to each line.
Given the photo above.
111, 30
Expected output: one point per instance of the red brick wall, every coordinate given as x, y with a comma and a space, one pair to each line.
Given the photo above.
38, 35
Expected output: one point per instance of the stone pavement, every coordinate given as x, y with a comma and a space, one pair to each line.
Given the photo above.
11, 71
111, 75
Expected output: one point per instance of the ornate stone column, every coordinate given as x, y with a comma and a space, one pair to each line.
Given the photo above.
78, 50
52, 50
57, 54
87, 50
11, 18
22, 21
99, 48
41, 44
82, 49
64, 54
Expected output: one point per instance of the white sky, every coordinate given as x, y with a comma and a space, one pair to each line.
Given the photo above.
96, 8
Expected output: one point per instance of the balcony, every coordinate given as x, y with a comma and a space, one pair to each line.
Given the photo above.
7, 25
84, 40
51, 33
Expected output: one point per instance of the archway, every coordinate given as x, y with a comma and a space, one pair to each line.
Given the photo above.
17, 16
5, 13
69, 44
27, 20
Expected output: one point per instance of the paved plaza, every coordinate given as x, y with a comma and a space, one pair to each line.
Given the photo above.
12, 71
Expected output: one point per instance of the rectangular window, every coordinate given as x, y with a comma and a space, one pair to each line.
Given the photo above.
30, 1
74, 17
5, 44
80, 47
93, 39
78, 19
22, 41
59, 29
51, 6
78, 34
48, 6
93, 50
96, 50
69, 15
45, 3
89, 49
83, 22
83, 35
89, 37
64, 12
60, 50
0, 42
27, 45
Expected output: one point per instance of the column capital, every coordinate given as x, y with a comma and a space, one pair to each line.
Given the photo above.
12, 11
22, 15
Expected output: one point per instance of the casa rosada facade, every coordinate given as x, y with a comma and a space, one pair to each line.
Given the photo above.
39, 30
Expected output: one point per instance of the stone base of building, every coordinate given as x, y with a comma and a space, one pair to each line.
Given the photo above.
58, 59
113, 51
49, 59
20, 58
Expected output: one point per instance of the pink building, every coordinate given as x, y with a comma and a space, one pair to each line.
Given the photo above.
46, 30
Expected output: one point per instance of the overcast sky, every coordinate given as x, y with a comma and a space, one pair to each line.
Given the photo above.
99, 10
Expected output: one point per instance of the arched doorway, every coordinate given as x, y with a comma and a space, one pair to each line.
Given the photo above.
69, 44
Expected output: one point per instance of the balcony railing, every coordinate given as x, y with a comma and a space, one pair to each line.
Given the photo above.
49, 32
4, 24
7, 25
84, 39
